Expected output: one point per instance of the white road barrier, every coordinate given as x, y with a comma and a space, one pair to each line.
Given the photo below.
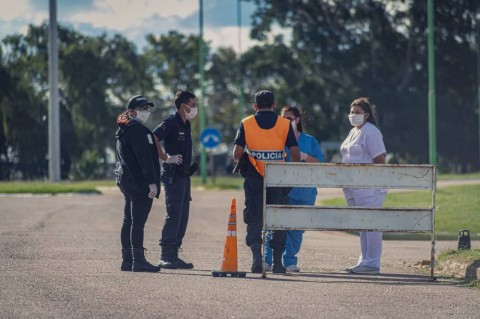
324, 175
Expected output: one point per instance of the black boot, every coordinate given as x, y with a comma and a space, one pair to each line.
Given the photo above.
277, 267
257, 258
181, 263
168, 258
140, 263
127, 259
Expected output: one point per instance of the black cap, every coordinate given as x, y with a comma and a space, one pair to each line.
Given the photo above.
138, 101
264, 98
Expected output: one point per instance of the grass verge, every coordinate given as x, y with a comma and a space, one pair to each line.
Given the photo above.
223, 182
446, 177
53, 188
461, 256
46, 187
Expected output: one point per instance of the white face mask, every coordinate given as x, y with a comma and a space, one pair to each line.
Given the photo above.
356, 119
192, 114
142, 116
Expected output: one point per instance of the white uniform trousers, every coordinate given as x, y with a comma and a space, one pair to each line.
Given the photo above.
370, 242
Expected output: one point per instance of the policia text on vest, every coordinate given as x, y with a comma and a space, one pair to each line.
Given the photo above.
267, 155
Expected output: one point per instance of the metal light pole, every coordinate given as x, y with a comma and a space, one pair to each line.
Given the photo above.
203, 155
431, 86
478, 75
53, 110
240, 82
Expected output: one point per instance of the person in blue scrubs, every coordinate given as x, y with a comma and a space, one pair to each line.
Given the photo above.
310, 152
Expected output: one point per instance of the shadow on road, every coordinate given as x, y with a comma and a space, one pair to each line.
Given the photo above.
338, 277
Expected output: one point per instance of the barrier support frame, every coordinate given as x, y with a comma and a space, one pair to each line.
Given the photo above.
332, 175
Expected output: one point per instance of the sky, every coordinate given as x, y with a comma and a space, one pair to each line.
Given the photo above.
134, 18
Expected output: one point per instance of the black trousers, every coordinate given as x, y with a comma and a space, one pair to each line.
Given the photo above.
135, 214
177, 200
253, 212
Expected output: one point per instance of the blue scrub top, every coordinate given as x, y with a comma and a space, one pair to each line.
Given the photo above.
307, 144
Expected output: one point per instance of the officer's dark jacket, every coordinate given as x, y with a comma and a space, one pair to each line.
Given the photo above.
138, 157
176, 138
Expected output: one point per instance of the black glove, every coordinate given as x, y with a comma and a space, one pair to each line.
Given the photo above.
193, 168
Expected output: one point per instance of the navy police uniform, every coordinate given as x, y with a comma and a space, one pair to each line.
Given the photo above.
253, 186
176, 138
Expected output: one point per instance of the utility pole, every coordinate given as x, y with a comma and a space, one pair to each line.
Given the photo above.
53, 108
240, 76
431, 85
203, 154
478, 74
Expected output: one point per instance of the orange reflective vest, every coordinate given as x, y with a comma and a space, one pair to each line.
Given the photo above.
265, 145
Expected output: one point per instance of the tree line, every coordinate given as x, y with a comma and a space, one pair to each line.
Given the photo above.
336, 51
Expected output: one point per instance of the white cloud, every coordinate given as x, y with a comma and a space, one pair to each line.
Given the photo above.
228, 37
124, 14
20, 10
131, 18
11, 11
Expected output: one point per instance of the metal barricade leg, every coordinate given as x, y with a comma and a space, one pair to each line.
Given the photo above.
264, 274
432, 262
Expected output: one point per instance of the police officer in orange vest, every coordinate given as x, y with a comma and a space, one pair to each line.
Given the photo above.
263, 137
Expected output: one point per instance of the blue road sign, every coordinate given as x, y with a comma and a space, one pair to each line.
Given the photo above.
210, 137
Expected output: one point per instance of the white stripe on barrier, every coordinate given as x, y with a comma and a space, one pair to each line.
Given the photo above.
231, 233
348, 218
350, 175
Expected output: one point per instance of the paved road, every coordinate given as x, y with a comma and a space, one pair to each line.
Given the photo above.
60, 258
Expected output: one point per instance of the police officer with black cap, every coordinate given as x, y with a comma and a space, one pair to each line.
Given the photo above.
264, 136
138, 177
175, 149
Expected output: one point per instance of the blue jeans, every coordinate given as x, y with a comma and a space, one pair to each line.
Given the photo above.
292, 245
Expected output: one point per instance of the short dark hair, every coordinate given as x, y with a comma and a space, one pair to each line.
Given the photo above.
367, 107
183, 97
264, 99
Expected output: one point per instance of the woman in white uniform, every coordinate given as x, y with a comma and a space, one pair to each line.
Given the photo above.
364, 145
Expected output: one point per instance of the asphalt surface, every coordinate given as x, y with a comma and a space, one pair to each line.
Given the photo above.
60, 258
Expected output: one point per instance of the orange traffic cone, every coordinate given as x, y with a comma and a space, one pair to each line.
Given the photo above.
230, 260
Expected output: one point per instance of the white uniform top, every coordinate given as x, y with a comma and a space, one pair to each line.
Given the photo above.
361, 147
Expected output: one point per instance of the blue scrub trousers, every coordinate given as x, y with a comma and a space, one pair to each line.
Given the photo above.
293, 243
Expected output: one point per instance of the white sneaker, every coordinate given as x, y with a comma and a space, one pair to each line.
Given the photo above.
365, 270
268, 267
293, 268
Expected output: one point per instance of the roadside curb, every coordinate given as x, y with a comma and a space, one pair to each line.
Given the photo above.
49, 194
468, 271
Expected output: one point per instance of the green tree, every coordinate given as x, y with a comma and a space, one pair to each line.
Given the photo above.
173, 62
22, 107
379, 49
223, 93
97, 75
